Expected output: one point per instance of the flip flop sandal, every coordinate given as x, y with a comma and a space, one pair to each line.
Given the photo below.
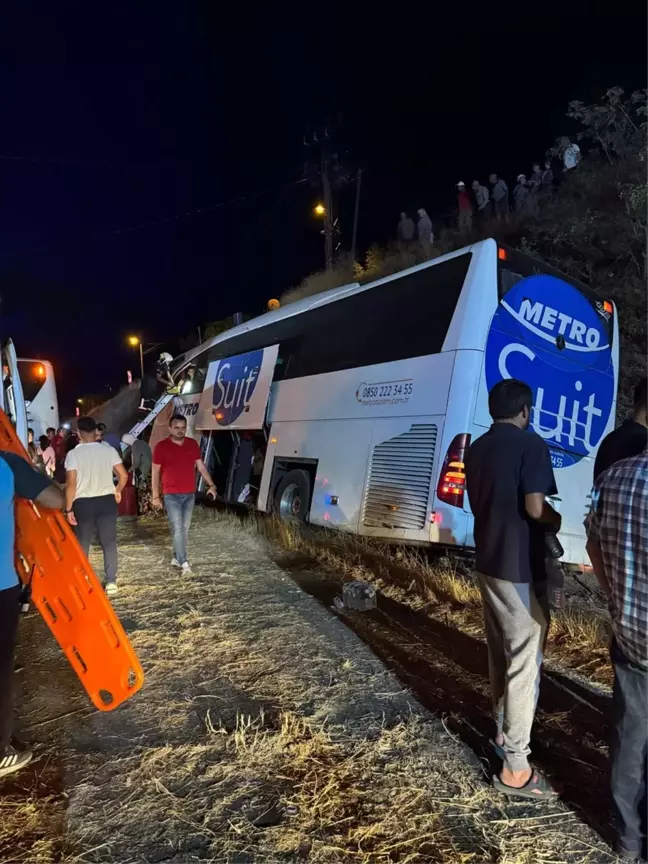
537, 787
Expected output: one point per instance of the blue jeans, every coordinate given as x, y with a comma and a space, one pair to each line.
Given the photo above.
179, 508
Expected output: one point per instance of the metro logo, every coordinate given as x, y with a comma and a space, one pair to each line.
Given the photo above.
572, 377
553, 323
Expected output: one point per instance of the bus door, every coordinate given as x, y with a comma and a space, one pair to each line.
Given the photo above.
14, 393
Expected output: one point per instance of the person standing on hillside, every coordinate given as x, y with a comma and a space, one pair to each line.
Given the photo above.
500, 195
534, 186
521, 195
91, 497
464, 207
571, 154
175, 461
424, 232
630, 438
18, 479
406, 229
617, 543
508, 475
482, 198
546, 185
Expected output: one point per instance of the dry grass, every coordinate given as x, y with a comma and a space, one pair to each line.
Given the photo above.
30, 829
266, 731
579, 636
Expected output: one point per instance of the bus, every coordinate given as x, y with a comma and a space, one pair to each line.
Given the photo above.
28, 393
353, 408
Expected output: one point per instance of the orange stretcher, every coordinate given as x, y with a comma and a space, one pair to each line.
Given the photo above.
69, 596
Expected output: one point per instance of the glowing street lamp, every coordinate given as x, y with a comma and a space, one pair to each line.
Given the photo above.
319, 210
136, 342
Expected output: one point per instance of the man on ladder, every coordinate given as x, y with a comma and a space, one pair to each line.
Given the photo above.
150, 388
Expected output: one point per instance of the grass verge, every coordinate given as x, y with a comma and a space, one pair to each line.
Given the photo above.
266, 731
579, 635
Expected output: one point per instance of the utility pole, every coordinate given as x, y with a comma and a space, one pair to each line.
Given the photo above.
328, 204
355, 216
320, 173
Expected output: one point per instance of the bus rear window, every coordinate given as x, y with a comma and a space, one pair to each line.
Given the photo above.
512, 266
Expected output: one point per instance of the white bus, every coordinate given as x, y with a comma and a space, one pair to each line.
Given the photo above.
354, 408
28, 393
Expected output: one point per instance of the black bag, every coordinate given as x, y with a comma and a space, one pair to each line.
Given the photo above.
555, 574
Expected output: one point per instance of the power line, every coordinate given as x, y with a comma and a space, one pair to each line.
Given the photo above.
164, 220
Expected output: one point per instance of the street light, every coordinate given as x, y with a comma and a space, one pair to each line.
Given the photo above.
319, 209
136, 342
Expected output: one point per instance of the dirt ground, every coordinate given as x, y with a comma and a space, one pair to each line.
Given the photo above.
271, 728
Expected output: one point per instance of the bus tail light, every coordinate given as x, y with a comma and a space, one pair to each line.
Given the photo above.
452, 481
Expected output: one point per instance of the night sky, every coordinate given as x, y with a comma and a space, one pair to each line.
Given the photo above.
131, 114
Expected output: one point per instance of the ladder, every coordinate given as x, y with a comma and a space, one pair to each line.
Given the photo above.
159, 406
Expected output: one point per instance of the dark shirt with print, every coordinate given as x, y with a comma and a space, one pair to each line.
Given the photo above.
502, 467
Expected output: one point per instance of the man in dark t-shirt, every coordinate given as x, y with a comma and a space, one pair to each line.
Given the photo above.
629, 439
508, 476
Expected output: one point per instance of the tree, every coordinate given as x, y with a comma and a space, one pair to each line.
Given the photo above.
595, 226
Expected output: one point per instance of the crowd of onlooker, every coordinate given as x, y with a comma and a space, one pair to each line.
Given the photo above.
48, 454
482, 203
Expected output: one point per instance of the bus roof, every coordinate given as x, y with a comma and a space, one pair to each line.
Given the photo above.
307, 303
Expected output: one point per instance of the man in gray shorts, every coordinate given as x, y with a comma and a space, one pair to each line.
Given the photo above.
508, 475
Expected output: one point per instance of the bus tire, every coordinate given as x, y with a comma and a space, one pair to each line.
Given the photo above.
292, 496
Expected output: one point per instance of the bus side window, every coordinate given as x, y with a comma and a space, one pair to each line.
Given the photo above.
287, 350
407, 316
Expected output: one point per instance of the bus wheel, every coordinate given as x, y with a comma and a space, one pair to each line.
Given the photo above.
292, 496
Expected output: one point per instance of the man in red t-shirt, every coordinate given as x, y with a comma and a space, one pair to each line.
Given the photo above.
176, 459
465, 207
